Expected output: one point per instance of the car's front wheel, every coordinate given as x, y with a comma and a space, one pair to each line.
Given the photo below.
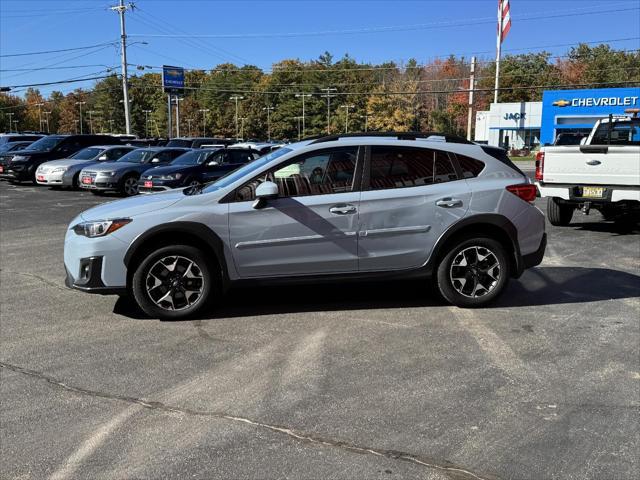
129, 186
473, 273
173, 282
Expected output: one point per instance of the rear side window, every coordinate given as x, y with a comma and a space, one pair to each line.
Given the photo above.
240, 156
620, 133
402, 167
470, 166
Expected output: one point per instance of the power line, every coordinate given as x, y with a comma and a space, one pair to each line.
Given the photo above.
397, 28
57, 51
70, 67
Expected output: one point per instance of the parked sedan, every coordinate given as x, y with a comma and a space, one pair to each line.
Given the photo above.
195, 168
66, 172
123, 174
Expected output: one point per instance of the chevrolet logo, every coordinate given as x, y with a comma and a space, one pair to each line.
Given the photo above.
561, 103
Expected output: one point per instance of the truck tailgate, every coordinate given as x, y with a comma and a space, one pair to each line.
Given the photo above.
592, 165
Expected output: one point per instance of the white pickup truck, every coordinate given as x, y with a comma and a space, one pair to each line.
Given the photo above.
602, 173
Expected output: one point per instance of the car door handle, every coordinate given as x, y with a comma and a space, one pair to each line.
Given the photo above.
594, 162
449, 202
343, 209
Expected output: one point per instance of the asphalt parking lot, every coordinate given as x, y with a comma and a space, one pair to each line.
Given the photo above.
341, 381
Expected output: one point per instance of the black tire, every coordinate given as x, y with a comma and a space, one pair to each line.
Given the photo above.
96, 192
149, 297
126, 186
481, 285
559, 214
75, 181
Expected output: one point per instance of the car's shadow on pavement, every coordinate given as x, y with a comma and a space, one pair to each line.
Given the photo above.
615, 229
538, 286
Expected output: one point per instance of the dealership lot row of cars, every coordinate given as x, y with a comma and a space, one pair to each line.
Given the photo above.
102, 163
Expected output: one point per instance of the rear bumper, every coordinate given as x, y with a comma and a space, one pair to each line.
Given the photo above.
573, 193
535, 258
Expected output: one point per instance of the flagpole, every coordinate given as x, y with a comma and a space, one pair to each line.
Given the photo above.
498, 48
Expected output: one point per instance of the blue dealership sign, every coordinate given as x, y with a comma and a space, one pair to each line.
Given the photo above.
172, 79
578, 110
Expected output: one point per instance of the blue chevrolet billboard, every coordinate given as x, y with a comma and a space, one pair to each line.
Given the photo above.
578, 110
172, 79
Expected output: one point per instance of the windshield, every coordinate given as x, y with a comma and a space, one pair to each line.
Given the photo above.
87, 153
193, 158
46, 143
246, 170
618, 133
137, 156
177, 142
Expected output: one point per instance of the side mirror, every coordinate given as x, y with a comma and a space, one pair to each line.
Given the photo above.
264, 192
213, 163
102, 158
155, 160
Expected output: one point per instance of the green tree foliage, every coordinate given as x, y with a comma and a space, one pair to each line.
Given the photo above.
391, 96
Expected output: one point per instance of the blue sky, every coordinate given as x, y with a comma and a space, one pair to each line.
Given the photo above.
264, 32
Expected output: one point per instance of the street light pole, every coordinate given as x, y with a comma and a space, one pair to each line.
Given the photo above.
236, 98
80, 107
242, 119
189, 120
268, 109
204, 112
39, 105
328, 96
303, 95
298, 119
366, 121
46, 114
91, 112
10, 115
146, 122
346, 119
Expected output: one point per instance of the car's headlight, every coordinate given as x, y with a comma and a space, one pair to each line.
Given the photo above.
106, 174
59, 169
99, 228
19, 158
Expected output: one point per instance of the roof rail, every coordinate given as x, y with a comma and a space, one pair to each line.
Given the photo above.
399, 135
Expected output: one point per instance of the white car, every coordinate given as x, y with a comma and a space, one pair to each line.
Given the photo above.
66, 172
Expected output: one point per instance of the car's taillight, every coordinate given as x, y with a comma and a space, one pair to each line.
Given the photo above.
526, 191
539, 166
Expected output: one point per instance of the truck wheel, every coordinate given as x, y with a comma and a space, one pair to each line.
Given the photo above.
558, 214
174, 282
473, 273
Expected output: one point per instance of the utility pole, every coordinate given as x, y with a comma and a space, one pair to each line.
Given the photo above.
122, 9
236, 98
303, 96
299, 118
268, 110
91, 112
472, 86
146, 122
39, 105
242, 119
189, 120
80, 107
10, 114
366, 121
15, 126
346, 117
46, 114
328, 96
204, 112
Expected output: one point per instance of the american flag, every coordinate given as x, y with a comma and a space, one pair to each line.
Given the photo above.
504, 19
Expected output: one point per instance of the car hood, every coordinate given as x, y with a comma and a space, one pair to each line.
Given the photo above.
66, 162
157, 171
114, 166
130, 207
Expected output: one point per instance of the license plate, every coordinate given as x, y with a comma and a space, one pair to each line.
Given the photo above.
593, 192
40, 178
87, 180
148, 184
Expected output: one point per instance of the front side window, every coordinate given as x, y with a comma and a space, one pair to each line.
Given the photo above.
402, 167
46, 143
87, 153
318, 173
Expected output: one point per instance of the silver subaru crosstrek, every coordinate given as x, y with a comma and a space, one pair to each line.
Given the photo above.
362, 206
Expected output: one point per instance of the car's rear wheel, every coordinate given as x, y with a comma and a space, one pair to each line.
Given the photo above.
559, 214
473, 273
129, 186
173, 282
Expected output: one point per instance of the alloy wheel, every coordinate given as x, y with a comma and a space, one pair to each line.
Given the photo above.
131, 186
175, 283
475, 271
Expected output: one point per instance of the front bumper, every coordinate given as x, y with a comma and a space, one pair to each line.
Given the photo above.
103, 184
50, 178
158, 185
16, 172
90, 278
